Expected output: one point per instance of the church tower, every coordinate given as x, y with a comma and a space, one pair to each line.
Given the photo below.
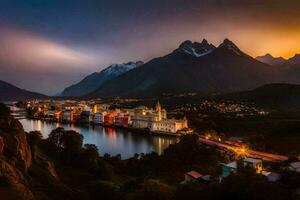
95, 108
158, 110
158, 106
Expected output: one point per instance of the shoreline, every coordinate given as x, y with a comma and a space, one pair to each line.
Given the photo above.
144, 131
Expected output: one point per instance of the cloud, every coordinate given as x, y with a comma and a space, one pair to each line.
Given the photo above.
37, 63
21, 50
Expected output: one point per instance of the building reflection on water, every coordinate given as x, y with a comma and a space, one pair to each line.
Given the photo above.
108, 140
111, 135
161, 143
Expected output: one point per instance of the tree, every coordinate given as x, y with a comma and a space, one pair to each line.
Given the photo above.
72, 141
34, 137
291, 179
55, 136
89, 157
154, 189
104, 190
68, 143
4, 110
68, 140
248, 186
189, 191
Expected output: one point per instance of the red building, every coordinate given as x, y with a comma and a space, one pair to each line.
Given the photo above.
109, 119
122, 120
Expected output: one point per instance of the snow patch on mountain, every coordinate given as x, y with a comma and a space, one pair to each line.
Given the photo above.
196, 49
193, 52
96, 79
117, 69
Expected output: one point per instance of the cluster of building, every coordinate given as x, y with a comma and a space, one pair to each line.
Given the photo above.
154, 120
230, 168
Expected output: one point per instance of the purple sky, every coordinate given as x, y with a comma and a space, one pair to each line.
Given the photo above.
48, 45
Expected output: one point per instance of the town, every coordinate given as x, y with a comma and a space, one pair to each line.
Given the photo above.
233, 158
223, 107
155, 120
150, 100
139, 118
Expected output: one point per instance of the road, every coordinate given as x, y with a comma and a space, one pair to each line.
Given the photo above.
244, 151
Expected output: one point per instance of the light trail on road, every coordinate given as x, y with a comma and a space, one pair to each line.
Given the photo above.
244, 151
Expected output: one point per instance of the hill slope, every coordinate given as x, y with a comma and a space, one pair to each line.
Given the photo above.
290, 68
8, 92
275, 96
95, 80
193, 67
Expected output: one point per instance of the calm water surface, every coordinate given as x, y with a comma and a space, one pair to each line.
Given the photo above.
108, 140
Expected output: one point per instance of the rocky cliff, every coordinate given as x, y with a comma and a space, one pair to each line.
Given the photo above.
15, 159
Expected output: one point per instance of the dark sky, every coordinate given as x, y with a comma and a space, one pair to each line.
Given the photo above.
48, 45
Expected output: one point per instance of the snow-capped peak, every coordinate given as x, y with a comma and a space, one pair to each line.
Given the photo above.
230, 46
196, 49
121, 68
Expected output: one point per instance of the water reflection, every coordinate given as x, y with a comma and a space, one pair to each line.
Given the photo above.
108, 140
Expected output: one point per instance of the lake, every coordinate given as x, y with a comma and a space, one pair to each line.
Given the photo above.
108, 140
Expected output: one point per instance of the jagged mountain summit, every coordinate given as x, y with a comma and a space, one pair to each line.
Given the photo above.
269, 59
192, 67
96, 79
229, 47
9, 92
196, 49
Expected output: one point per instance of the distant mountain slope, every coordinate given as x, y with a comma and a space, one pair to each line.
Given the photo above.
295, 59
95, 80
290, 68
269, 59
276, 96
8, 92
193, 67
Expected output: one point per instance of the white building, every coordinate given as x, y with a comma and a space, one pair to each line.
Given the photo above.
99, 117
156, 120
295, 166
141, 118
169, 125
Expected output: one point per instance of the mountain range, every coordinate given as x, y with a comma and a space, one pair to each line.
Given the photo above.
289, 68
95, 80
193, 67
279, 61
269, 59
9, 92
